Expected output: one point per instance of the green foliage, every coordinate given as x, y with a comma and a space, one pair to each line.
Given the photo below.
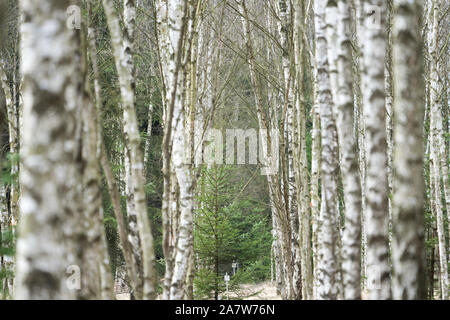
7, 177
110, 224
227, 229
7, 250
204, 283
258, 271
7, 241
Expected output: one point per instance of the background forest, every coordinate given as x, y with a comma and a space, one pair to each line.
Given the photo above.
149, 147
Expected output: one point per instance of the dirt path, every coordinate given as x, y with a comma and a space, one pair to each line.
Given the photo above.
255, 291
258, 291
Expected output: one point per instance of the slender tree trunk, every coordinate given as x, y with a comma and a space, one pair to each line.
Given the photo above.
328, 236
389, 90
304, 203
285, 12
4, 226
434, 172
408, 249
112, 187
351, 241
91, 241
50, 157
356, 30
437, 150
162, 32
176, 148
121, 225
149, 132
315, 195
7, 221
129, 19
13, 133
377, 214
122, 59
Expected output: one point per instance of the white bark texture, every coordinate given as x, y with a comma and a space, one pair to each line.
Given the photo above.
328, 234
300, 144
122, 59
112, 187
176, 115
129, 18
377, 219
408, 250
356, 27
437, 150
49, 174
315, 196
162, 32
351, 241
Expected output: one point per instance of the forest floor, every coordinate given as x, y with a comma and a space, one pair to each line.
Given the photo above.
257, 291
251, 291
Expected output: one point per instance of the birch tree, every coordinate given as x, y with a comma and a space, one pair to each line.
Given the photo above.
328, 233
352, 147
129, 19
122, 58
357, 22
50, 167
351, 241
285, 30
376, 193
302, 56
13, 133
176, 32
437, 146
408, 222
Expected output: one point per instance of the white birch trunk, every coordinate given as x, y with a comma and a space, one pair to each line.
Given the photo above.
122, 61
328, 237
357, 22
408, 250
315, 196
176, 115
304, 202
437, 145
377, 213
49, 174
129, 19
351, 241
285, 31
